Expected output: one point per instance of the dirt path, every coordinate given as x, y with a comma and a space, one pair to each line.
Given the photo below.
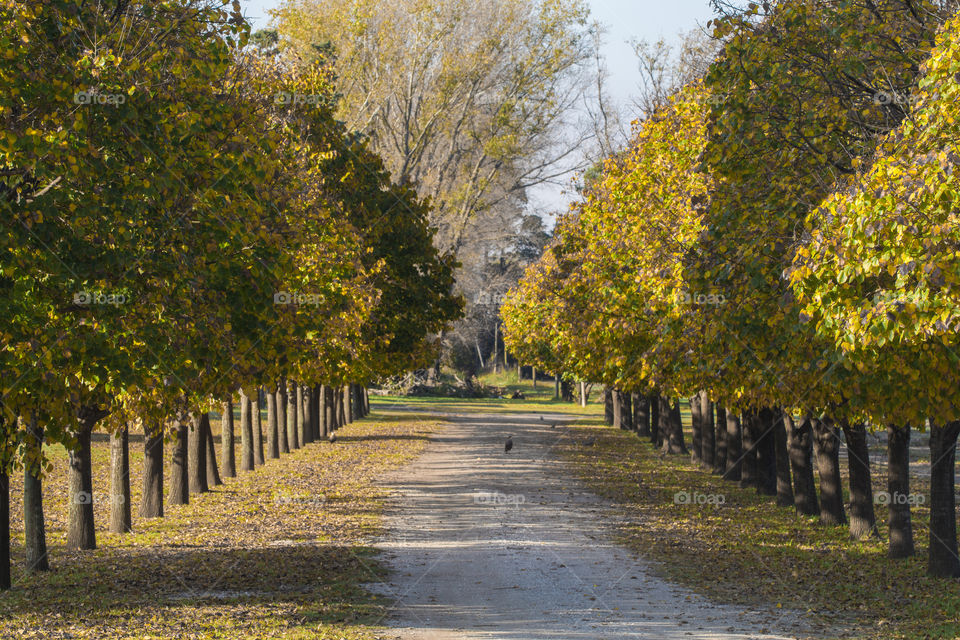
484, 544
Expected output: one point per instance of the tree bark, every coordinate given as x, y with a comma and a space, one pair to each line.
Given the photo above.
784, 487
583, 393
4, 530
246, 433
213, 473
341, 410
273, 434
282, 417
942, 559
720, 438
696, 427
80, 528
34, 524
734, 439
228, 455
180, 463
708, 444
766, 444
616, 399
120, 521
303, 414
641, 415
608, 405
800, 444
653, 401
673, 438
826, 443
257, 429
626, 411
197, 455
347, 405
323, 413
898, 491
316, 413
330, 409
749, 473
863, 520
292, 435
151, 502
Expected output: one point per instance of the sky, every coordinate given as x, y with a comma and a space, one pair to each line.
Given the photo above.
624, 20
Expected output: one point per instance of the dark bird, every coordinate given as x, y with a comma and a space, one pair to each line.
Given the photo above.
508, 445
333, 437
553, 425
590, 441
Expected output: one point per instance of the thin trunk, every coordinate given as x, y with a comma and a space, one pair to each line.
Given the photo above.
616, 397
303, 414
293, 437
734, 440
80, 528
4, 530
608, 405
800, 444
556, 386
942, 558
341, 410
366, 401
323, 412
766, 444
641, 414
347, 405
197, 456
180, 463
151, 502
784, 487
673, 437
120, 521
826, 444
898, 491
34, 524
330, 410
708, 445
626, 411
533, 376
863, 520
282, 417
228, 458
653, 401
583, 393
257, 429
246, 433
213, 474
273, 435
749, 476
720, 437
696, 441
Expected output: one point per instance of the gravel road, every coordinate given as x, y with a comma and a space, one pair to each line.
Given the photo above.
483, 544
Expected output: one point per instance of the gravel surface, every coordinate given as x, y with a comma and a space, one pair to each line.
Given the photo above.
484, 544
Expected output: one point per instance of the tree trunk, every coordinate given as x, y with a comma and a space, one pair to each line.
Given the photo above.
330, 410
533, 376
749, 476
626, 410
151, 502
120, 521
292, 436
303, 414
556, 386
34, 524
641, 415
323, 412
766, 443
347, 405
341, 410
673, 438
863, 520
257, 429
180, 463
197, 456
898, 491
4, 530
80, 530
734, 440
246, 433
708, 445
366, 401
696, 425
784, 487
316, 413
653, 401
800, 445
228, 458
566, 391
608, 405
583, 393
826, 443
273, 434
213, 474
616, 399
942, 558
282, 417
720, 438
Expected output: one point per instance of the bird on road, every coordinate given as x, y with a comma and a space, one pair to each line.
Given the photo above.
591, 441
333, 437
508, 445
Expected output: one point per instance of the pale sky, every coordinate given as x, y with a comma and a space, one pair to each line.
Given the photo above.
624, 20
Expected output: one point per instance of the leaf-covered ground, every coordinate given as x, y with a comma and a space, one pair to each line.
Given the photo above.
277, 553
749, 550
